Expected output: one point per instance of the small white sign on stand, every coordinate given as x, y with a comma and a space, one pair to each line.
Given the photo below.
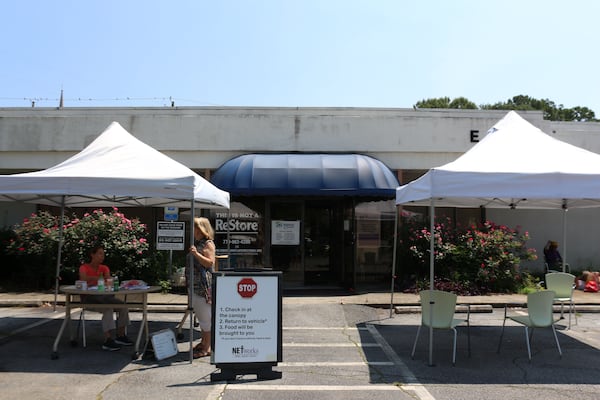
164, 344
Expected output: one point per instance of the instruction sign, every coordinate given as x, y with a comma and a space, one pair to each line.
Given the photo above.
170, 235
247, 317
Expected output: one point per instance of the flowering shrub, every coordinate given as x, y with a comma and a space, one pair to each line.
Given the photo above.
492, 255
31, 250
419, 241
478, 259
125, 242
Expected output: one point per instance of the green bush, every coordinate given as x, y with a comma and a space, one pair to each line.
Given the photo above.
477, 259
34, 246
30, 251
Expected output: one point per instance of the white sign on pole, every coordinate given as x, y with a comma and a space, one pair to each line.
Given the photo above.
246, 319
170, 235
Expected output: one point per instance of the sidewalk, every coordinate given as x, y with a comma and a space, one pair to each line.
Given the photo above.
409, 302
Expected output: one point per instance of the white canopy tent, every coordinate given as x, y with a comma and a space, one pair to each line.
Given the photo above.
115, 169
515, 165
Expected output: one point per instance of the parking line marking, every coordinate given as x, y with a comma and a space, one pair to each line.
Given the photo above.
413, 384
323, 328
313, 387
331, 345
335, 364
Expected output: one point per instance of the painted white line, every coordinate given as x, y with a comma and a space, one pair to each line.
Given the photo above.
371, 388
318, 328
413, 384
335, 364
217, 392
331, 345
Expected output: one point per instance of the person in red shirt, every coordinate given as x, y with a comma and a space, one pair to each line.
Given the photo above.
90, 272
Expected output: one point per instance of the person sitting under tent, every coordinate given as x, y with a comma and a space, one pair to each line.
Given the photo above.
90, 272
552, 257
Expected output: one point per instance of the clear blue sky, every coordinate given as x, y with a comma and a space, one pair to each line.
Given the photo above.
323, 53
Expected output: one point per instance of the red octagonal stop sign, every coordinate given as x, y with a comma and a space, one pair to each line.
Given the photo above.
247, 287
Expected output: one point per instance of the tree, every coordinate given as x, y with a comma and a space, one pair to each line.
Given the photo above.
463, 103
445, 102
551, 111
440, 102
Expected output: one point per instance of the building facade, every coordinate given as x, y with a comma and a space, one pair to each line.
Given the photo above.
319, 231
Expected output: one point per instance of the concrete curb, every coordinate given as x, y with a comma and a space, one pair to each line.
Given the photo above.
403, 303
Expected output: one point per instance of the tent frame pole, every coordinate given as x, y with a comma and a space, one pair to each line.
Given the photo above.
191, 284
564, 232
394, 261
431, 271
59, 253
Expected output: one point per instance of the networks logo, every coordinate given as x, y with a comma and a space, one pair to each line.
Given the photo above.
244, 352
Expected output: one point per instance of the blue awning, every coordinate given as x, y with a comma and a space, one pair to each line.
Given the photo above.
305, 175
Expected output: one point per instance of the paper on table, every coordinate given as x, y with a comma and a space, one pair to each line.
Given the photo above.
134, 284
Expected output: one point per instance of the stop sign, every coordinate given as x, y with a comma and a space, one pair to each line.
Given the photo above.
247, 287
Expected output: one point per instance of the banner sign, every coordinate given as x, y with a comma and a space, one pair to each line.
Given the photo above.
238, 232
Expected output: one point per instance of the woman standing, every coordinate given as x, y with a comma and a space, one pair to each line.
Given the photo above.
203, 253
551, 255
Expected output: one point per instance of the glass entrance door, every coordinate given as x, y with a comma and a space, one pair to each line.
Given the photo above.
286, 244
317, 243
308, 241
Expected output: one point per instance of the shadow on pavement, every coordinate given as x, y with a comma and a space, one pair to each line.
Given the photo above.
580, 363
29, 351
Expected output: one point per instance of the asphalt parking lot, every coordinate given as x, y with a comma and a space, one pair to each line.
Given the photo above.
330, 351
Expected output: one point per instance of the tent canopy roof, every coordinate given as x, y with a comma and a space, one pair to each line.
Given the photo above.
306, 175
515, 165
115, 169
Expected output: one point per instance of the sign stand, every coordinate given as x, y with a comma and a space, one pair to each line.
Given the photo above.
246, 320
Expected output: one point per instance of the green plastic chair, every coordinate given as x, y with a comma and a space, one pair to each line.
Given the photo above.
539, 315
437, 311
562, 284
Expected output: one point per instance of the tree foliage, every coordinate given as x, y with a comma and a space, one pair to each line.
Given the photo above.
551, 110
445, 102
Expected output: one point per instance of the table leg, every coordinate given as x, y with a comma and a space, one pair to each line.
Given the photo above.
66, 321
143, 327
